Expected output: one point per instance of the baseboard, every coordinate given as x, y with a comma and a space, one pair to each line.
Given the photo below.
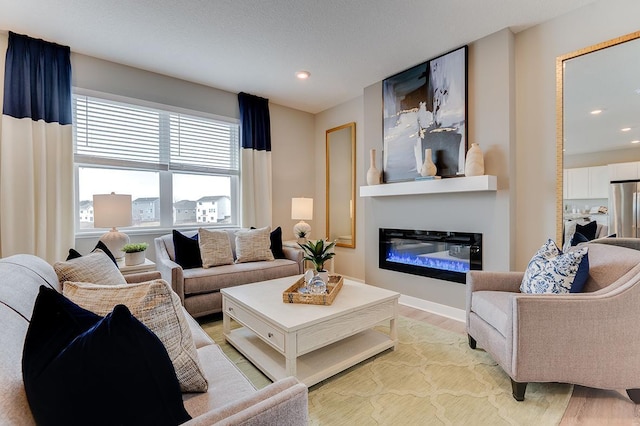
434, 308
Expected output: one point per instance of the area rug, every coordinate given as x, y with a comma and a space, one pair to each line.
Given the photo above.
433, 378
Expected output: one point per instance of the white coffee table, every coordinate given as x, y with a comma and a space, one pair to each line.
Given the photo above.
311, 342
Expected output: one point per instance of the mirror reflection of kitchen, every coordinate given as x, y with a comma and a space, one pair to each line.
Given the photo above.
601, 143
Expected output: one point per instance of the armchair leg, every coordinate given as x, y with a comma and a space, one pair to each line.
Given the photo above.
518, 389
634, 395
472, 342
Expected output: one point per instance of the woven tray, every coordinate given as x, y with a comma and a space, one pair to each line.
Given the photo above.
291, 294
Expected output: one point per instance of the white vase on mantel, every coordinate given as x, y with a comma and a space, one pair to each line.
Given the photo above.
374, 176
474, 163
428, 167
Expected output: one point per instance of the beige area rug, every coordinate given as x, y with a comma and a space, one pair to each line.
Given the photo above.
432, 378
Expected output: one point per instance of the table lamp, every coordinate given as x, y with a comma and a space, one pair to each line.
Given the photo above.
110, 211
301, 209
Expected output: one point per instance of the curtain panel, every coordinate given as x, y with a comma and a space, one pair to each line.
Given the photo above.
36, 150
255, 139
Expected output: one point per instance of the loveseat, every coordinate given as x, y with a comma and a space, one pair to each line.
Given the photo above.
199, 288
230, 399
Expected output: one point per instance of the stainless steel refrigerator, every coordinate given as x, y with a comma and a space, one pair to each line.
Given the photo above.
624, 209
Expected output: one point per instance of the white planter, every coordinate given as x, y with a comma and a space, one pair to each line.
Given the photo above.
132, 259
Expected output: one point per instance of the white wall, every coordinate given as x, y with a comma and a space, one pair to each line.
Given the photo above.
348, 261
491, 124
536, 52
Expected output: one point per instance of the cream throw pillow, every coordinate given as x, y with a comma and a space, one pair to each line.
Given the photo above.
215, 248
96, 267
157, 307
253, 245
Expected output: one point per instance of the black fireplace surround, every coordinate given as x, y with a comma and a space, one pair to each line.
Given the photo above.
437, 254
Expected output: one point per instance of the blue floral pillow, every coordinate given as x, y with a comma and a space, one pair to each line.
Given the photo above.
552, 272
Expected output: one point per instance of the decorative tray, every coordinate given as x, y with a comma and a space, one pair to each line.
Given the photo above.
291, 295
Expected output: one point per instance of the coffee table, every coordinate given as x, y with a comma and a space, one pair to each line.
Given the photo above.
310, 342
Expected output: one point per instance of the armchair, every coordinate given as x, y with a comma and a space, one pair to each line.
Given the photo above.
588, 338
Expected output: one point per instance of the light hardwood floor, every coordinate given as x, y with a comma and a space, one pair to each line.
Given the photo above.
587, 406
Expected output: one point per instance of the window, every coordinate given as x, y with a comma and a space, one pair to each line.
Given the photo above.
169, 161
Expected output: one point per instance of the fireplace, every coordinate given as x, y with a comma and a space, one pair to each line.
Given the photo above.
437, 254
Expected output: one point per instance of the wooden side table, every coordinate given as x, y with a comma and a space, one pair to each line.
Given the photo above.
147, 266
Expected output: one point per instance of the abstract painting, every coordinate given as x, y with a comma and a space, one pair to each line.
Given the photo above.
426, 107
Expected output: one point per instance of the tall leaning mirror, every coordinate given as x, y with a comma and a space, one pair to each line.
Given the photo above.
598, 139
341, 185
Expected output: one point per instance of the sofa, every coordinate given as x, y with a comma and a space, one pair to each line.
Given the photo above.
230, 399
199, 288
587, 338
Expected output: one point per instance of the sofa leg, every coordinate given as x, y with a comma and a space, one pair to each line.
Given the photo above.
634, 395
472, 342
518, 389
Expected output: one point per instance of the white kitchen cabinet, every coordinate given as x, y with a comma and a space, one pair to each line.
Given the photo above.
599, 182
586, 182
624, 171
578, 183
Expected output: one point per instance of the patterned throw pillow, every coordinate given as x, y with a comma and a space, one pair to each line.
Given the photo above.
552, 272
95, 267
157, 307
253, 245
215, 248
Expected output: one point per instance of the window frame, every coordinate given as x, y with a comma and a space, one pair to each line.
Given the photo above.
165, 174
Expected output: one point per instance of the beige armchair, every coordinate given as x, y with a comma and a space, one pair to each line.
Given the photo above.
590, 338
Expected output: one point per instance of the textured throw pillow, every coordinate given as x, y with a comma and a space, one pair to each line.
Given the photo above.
74, 254
253, 245
588, 231
187, 250
96, 267
552, 272
215, 248
276, 243
157, 307
79, 368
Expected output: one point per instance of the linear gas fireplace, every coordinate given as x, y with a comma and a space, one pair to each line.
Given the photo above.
436, 254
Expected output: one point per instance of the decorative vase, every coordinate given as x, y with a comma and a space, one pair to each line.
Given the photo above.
135, 258
474, 163
428, 168
324, 275
374, 177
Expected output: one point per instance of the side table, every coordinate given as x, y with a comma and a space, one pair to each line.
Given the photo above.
147, 266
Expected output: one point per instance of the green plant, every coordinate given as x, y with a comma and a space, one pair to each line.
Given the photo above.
318, 252
302, 234
135, 247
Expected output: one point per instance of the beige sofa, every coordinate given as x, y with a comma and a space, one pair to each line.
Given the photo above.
231, 398
199, 288
589, 338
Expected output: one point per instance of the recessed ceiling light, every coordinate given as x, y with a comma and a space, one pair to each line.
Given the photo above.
636, 141
625, 129
596, 111
303, 75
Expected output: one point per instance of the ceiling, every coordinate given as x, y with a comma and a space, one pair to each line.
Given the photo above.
256, 46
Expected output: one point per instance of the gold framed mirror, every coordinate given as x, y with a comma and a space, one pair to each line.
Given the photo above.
341, 185
597, 128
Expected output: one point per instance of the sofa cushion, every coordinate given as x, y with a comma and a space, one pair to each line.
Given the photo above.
187, 250
276, 243
95, 267
215, 248
253, 245
79, 366
74, 254
159, 308
588, 230
551, 271
493, 307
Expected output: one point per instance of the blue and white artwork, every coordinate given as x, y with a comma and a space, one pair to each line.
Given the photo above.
426, 107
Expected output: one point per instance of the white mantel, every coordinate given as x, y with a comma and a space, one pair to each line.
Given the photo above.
437, 186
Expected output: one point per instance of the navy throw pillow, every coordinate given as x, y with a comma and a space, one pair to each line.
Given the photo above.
578, 238
581, 276
79, 368
187, 250
276, 243
588, 230
74, 254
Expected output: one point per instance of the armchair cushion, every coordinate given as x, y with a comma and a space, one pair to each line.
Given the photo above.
494, 308
554, 272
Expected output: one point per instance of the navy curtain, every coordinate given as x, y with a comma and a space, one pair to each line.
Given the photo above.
37, 80
255, 137
36, 150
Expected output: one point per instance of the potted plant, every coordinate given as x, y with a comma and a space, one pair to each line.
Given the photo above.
318, 252
134, 253
302, 236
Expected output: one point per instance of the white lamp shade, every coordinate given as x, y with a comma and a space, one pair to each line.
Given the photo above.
302, 208
111, 210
